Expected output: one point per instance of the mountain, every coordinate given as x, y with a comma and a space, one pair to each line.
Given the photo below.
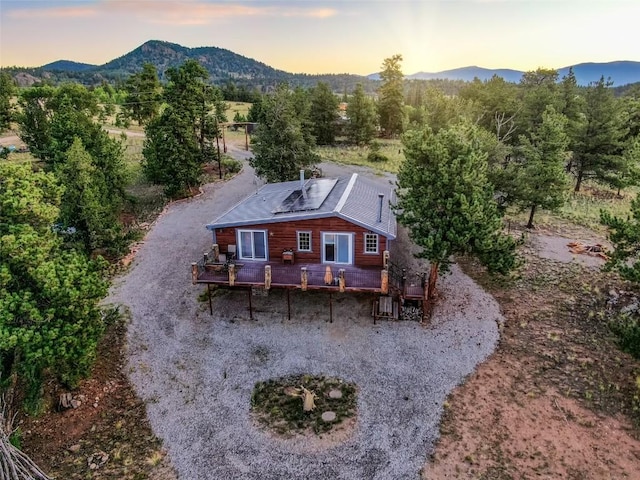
67, 66
224, 65
220, 63
620, 72
467, 74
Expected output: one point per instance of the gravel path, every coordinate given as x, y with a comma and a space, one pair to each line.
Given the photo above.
196, 371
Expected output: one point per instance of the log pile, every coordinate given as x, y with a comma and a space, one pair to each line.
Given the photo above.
411, 313
15, 465
597, 250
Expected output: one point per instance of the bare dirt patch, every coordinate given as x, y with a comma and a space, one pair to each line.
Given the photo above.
111, 420
556, 398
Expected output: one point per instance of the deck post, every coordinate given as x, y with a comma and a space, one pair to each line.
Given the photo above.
194, 273
341, 279
232, 274
209, 295
205, 258
384, 282
385, 259
216, 252
303, 279
267, 277
250, 305
330, 307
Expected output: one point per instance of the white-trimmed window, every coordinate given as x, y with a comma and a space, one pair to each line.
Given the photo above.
304, 241
337, 248
252, 244
370, 243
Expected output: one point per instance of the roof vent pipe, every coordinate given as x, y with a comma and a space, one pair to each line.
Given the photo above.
304, 192
381, 200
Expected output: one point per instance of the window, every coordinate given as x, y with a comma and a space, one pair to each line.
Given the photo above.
304, 241
370, 243
252, 244
337, 248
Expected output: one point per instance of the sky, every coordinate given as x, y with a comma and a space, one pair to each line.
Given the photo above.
345, 36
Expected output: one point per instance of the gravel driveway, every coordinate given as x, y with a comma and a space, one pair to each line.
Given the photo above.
196, 371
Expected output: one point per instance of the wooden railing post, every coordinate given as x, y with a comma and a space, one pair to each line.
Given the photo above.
194, 273
385, 259
341, 279
232, 275
205, 257
384, 282
303, 279
267, 277
216, 252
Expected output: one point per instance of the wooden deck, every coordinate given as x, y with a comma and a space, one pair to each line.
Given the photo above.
390, 289
252, 274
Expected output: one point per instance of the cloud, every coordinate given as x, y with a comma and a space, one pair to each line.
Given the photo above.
185, 12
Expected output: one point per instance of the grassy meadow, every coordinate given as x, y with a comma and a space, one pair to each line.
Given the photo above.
355, 155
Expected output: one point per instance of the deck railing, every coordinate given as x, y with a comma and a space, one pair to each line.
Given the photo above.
388, 281
311, 276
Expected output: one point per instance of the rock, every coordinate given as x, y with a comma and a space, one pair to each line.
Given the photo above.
631, 308
335, 393
74, 448
64, 401
75, 403
82, 398
97, 459
328, 416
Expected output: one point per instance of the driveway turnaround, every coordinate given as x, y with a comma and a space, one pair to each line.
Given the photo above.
196, 372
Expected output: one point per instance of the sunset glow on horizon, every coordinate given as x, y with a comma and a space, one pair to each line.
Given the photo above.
329, 37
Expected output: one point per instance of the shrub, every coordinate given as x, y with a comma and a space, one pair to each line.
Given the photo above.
374, 153
627, 329
230, 165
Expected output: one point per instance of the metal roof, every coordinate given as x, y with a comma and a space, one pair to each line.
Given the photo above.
353, 198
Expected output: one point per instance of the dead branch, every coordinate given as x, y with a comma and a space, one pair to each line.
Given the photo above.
14, 465
502, 121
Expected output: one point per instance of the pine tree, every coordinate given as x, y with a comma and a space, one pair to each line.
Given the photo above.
49, 315
52, 119
391, 96
362, 117
280, 147
624, 234
86, 202
446, 201
537, 176
180, 140
7, 91
599, 147
323, 114
144, 98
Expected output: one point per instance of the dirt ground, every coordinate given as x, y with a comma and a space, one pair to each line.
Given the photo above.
554, 400
110, 420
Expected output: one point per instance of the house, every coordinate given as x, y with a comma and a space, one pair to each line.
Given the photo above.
321, 233
336, 221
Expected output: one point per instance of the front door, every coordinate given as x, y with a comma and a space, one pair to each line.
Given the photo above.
337, 248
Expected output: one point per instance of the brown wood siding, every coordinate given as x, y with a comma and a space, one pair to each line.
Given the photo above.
283, 235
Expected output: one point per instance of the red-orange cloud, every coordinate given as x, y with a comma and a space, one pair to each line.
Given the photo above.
185, 12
